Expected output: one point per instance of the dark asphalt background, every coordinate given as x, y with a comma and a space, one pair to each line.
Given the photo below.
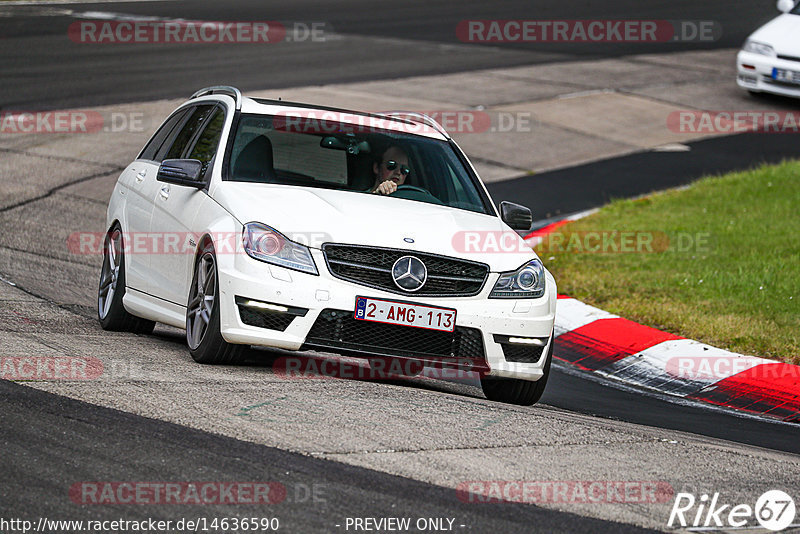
49, 442
43, 69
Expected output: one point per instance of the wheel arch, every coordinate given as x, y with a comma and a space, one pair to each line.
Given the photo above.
202, 243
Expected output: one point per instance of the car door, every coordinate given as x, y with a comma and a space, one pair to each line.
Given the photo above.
176, 206
139, 181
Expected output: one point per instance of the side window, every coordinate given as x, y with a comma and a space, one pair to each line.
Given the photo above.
189, 129
152, 147
208, 141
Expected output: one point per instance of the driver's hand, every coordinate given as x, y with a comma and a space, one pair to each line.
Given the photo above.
385, 188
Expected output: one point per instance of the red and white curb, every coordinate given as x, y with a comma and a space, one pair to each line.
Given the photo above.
596, 341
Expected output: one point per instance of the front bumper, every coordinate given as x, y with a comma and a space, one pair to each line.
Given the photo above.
243, 277
759, 77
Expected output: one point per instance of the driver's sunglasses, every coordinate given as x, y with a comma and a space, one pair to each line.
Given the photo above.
392, 165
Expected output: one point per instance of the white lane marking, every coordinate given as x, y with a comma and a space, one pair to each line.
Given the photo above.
582, 214
672, 147
109, 15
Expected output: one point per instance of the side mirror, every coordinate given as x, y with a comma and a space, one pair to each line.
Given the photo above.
181, 172
516, 216
784, 6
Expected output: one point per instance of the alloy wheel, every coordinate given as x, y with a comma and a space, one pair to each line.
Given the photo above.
201, 300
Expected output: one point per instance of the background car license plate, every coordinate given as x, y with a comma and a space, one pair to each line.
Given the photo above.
783, 75
403, 313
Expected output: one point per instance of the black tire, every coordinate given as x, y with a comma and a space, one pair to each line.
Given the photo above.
516, 391
110, 311
206, 344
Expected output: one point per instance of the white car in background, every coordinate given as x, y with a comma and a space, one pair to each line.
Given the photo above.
769, 61
254, 222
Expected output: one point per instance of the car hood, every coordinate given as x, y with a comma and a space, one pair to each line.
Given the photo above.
314, 216
781, 33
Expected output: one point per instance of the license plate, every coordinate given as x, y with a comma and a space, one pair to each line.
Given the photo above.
406, 314
788, 76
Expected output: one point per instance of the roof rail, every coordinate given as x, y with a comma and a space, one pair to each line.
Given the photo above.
418, 118
221, 90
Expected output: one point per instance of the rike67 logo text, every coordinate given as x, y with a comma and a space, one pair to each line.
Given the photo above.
774, 510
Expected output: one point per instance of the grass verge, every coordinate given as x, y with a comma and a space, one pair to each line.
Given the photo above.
718, 261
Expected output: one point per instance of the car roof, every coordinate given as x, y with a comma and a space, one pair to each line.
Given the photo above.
406, 122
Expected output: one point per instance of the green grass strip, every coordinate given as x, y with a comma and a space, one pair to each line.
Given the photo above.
718, 261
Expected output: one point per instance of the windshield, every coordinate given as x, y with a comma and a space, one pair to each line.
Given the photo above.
278, 150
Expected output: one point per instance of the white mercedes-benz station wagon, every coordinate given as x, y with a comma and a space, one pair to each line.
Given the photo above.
253, 222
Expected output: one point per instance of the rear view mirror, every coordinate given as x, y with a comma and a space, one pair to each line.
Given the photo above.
181, 172
784, 6
350, 145
516, 216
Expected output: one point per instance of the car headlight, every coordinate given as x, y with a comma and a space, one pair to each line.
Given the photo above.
527, 282
759, 48
267, 244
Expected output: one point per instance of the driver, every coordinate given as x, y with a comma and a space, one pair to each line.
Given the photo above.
391, 171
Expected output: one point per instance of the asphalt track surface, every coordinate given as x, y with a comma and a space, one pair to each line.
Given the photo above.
45, 456
565, 191
368, 40
50, 441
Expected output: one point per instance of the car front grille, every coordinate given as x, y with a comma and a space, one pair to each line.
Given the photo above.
789, 58
372, 267
340, 331
789, 85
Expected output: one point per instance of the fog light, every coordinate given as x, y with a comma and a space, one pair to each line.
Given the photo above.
528, 341
264, 306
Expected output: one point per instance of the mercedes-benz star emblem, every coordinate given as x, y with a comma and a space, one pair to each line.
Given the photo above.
409, 273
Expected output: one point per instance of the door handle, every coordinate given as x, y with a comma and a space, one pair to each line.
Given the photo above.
164, 192
141, 176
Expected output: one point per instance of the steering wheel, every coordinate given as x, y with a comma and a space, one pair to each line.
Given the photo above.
405, 187
412, 192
